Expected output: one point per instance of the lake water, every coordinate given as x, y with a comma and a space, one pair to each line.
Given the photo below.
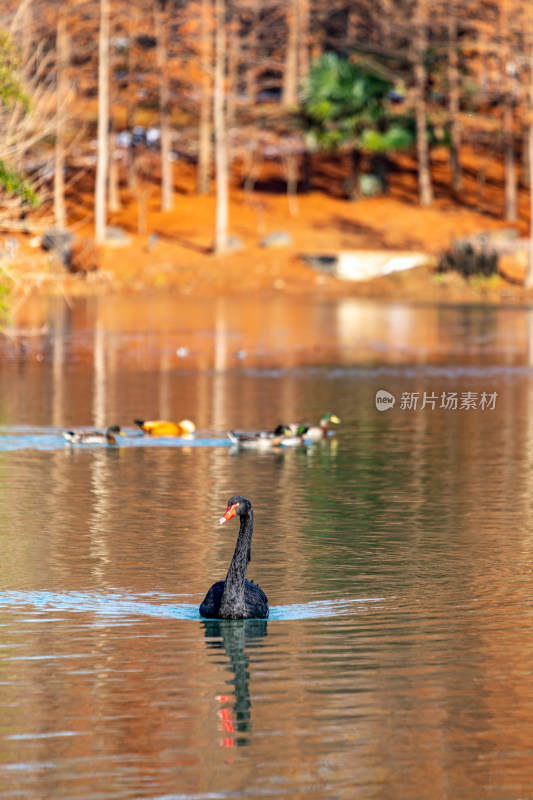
397, 556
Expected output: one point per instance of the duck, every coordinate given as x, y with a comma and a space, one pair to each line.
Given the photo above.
317, 433
82, 436
236, 597
161, 427
259, 440
294, 436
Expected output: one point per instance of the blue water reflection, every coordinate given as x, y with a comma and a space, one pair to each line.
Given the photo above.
26, 437
117, 605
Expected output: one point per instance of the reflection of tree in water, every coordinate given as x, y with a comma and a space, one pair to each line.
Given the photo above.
233, 636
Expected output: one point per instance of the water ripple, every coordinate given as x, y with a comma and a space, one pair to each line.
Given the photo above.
118, 605
28, 438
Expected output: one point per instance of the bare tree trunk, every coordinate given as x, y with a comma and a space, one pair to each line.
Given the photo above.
62, 55
27, 31
524, 154
386, 22
290, 73
102, 167
420, 74
113, 171
221, 142
509, 164
510, 179
303, 51
161, 30
454, 96
528, 280
204, 131
233, 47
352, 26
353, 174
291, 164
132, 23
251, 57
113, 176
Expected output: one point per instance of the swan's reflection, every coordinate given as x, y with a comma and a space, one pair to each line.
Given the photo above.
233, 636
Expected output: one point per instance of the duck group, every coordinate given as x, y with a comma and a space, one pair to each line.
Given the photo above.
159, 427
290, 435
235, 597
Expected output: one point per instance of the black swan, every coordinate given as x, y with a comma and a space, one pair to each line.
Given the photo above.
93, 437
237, 598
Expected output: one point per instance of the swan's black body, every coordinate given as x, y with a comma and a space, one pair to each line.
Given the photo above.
235, 597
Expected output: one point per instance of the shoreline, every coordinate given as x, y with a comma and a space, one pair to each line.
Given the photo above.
173, 251
230, 275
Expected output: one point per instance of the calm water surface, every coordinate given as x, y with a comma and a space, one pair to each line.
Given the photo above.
397, 556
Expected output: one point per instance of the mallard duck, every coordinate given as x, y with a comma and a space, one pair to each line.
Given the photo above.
316, 433
80, 436
160, 427
294, 436
259, 440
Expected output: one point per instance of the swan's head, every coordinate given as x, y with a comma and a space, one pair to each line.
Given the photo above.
237, 506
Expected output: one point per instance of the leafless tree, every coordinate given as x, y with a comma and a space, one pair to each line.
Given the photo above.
102, 169
454, 94
162, 34
205, 125
62, 98
528, 278
27, 119
221, 137
419, 50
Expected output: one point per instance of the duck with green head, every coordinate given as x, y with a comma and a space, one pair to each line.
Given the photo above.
259, 440
320, 432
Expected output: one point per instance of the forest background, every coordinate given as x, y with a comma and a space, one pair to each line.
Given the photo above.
208, 144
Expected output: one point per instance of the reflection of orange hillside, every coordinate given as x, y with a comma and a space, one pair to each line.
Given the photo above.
321, 221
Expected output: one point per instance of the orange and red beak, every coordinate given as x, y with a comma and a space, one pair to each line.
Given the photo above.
230, 512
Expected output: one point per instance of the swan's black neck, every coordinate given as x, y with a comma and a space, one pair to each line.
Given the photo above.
232, 603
